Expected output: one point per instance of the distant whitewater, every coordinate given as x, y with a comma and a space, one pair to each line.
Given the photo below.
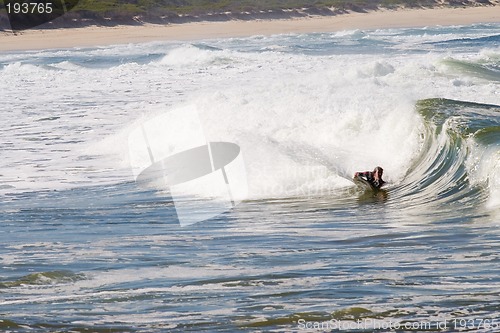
84, 246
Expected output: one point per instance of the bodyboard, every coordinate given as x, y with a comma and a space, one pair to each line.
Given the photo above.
360, 181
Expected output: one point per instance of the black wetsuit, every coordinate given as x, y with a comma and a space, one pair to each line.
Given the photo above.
369, 177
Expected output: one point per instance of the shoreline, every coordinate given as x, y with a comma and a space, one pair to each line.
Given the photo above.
381, 19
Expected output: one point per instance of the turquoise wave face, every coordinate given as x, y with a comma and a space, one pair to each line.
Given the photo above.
43, 278
460, 158
488, 69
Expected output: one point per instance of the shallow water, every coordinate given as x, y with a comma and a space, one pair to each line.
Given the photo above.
84, 248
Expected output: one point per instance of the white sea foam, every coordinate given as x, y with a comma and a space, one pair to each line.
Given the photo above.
305, 123
484, 168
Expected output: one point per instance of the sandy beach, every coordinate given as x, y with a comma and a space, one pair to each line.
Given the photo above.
96, 36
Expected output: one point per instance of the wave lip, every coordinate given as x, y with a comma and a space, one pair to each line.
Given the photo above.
484, 69
458, 165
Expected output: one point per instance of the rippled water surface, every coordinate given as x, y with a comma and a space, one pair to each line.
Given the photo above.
84, 248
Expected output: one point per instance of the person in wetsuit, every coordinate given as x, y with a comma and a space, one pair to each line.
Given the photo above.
374, 178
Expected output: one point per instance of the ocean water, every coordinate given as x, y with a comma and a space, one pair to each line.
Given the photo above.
84, 248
